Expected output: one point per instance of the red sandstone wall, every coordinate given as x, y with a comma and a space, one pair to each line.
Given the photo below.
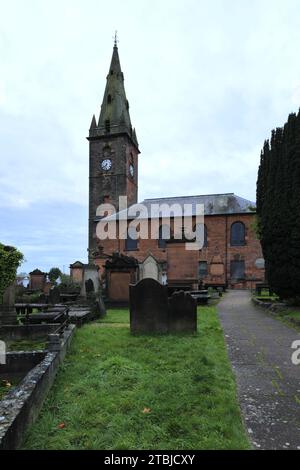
184, 264
37, 282
76, 274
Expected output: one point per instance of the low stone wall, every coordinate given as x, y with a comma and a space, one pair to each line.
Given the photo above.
20, 407
18, 364
32, 332
271, 306
276, 309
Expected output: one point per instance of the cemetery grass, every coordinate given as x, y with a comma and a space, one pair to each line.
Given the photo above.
117, 391
290, 318
26, 345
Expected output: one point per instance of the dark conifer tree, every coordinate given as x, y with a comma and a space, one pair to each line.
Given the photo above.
278, 208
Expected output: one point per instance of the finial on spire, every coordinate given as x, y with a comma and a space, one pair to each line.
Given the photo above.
116, 40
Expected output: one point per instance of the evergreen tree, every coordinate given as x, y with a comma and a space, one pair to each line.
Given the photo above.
54, 274
278, 208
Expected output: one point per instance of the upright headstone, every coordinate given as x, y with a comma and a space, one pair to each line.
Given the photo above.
182, 313
90, 272
148, 307
54, 296
8, 314
100, 310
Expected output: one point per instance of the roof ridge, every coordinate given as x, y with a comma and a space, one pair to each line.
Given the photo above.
196, 195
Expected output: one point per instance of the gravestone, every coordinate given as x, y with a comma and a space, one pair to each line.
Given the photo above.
95, 298
8, 314
90, 272
148, 307
42, 299
182, 313
54, 296
149, 268
100, 309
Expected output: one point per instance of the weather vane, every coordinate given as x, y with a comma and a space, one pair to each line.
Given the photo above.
116, 40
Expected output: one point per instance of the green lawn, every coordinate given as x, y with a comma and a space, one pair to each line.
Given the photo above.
291, 318
118, 391
116, 316
26, 345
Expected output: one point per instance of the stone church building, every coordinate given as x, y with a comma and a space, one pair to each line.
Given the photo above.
231, 254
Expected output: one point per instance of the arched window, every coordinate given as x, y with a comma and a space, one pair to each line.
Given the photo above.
237, 234
131, 243
109, 99
107, 125
205, 243
163, 236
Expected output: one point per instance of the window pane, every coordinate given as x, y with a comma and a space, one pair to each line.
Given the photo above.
164, 234
237, 269
202, 269
130, 243
237, 235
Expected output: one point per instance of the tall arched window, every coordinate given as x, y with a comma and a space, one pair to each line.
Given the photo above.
163, 236
107, 125
237, 234
109, 99
205, 243
131, 243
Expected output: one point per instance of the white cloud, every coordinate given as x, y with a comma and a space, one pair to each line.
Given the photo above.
206, 81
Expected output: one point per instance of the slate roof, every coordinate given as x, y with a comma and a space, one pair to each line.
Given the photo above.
37, 272
214, 204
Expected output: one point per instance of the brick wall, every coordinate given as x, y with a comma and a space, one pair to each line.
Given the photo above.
183, 264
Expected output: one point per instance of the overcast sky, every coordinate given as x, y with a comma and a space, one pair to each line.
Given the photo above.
206, 83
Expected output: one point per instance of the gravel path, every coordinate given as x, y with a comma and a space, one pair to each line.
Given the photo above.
268, 382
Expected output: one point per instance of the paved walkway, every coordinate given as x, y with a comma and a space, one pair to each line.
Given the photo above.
260, 350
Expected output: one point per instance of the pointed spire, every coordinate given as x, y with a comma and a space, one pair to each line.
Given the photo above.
115, 66
114, 115
135, 137
93, 123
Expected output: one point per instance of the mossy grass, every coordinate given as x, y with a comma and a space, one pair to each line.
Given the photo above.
119, 391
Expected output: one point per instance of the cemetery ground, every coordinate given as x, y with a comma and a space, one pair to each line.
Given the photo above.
121, 391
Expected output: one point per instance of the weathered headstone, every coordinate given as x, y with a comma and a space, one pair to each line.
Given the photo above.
8, 314
42, 298
54, 296
90, 272
182, 313
99, 307
148, 307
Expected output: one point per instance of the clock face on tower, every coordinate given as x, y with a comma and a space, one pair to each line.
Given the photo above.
131, 169
106, 164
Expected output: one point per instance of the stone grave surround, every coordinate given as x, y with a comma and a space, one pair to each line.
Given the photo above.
151, 311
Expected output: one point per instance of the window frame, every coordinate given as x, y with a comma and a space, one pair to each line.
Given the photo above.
241, 262
130, 243
202, 276
233, 239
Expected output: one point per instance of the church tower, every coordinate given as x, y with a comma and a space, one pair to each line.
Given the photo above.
113, 166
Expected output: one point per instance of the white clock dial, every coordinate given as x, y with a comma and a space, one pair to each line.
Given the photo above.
131, 169
106, 164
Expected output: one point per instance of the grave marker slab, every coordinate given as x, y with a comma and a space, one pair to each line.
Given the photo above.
148, 307
182, 313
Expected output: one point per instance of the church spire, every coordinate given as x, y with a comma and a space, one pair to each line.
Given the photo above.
114, 115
